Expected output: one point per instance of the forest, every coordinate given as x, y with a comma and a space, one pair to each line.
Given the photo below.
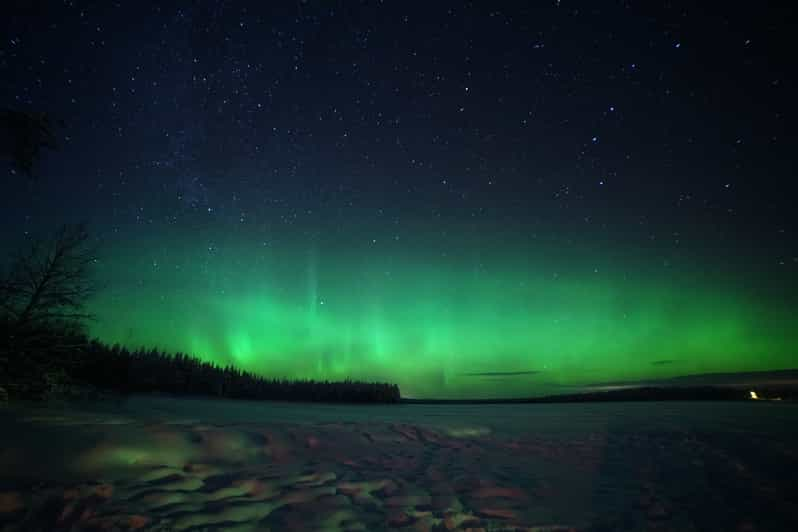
59, 362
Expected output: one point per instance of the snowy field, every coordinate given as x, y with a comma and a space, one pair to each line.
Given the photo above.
154, 463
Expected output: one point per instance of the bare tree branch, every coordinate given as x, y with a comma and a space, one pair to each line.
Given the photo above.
51, 282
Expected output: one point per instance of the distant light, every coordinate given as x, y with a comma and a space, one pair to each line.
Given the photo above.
678, 45
753, 395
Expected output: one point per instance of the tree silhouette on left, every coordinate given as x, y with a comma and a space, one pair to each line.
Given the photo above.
23, 136
51, 282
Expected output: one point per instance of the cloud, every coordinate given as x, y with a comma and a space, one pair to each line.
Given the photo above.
499, 373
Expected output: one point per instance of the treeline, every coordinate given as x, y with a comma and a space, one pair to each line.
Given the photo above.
144, 371
56, 363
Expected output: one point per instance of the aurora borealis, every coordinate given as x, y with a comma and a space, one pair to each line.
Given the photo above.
466, 201
455, 326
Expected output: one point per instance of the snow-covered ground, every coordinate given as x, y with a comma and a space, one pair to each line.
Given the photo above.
156, 463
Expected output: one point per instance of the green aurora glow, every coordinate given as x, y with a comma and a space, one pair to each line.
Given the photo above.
430, 320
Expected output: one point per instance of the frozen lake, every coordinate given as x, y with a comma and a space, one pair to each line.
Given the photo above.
159, 463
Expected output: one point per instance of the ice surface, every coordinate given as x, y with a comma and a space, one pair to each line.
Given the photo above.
159, 463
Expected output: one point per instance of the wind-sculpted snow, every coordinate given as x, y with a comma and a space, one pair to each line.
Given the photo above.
154, 471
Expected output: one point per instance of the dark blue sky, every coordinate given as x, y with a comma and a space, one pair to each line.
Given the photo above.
633, 123
469, 199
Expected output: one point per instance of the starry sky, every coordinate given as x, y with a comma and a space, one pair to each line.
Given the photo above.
470, 199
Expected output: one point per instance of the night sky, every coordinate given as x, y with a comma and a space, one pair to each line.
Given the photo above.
468, 199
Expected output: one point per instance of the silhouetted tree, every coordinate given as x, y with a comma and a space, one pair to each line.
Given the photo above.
50, 283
